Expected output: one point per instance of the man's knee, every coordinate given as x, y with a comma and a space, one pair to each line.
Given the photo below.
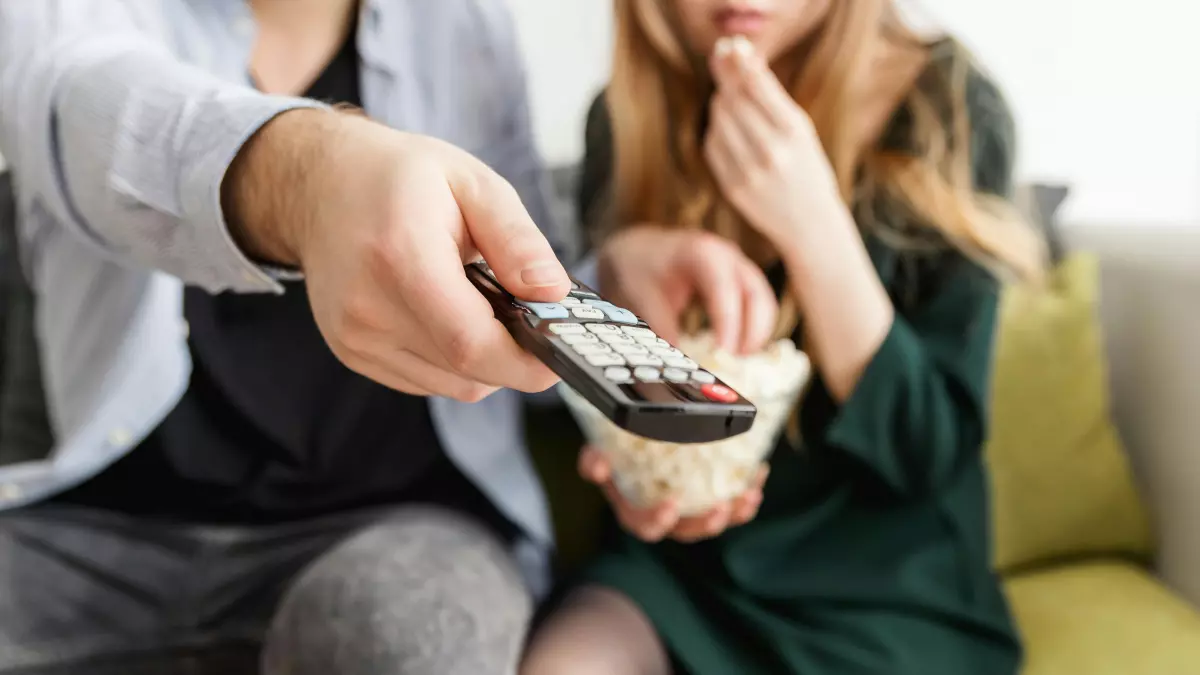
423, 592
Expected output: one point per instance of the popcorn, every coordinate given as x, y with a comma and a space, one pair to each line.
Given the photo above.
700, 475
735, 44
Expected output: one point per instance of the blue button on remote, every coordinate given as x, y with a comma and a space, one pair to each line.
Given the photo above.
618, 314
547, 310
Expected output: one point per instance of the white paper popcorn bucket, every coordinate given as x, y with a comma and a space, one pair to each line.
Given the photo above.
700, 475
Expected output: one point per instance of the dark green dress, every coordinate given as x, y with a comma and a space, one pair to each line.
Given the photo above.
871, 552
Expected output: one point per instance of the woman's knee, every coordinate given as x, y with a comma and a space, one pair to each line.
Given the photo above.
426, 591
598, 631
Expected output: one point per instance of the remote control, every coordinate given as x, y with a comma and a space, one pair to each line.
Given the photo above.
612, 358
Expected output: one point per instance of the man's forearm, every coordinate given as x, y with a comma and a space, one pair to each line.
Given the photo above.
262, 194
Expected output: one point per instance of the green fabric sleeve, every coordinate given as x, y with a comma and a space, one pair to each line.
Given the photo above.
918, 412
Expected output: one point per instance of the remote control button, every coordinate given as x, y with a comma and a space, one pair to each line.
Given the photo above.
596, 302
585, 312
675, 374
638, 332
581, 293
545, 310
666, 352
576, 338
617, 339
643, 360
629, 349
703, 377
719, 393
591, 348
681, 362
617, 373
618, 314
605, 359
602, 328
570, 302
653, 342
566, 328
647, 374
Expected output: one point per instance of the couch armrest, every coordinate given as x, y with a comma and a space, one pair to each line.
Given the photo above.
1150, 306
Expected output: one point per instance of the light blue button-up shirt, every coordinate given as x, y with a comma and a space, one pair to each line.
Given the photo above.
119, 119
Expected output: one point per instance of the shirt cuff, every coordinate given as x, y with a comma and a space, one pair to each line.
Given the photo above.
239, 117
867, 423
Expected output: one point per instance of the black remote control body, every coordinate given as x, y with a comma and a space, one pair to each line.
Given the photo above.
613, 359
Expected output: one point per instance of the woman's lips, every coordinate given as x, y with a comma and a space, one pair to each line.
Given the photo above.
737, 21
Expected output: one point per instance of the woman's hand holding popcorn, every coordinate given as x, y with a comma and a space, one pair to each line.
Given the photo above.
663, 520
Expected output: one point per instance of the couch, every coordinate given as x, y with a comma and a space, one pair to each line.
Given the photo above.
1113, 615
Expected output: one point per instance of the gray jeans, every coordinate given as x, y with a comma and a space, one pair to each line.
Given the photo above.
413, 591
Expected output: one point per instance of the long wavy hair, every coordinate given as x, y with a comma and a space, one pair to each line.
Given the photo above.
657, 100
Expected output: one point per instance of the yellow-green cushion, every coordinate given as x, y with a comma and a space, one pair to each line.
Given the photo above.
1103, 618
1061, 482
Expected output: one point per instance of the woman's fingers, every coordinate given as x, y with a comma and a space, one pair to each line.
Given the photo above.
656, 311
652, 524
728, 133
649, 524
744, 72
751, 134
594, 466
726, 168
713, 268
760, 307
723, 516
690, 530
746, 506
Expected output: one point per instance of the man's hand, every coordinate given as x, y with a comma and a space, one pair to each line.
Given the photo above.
661, 521
658, 272
381, 223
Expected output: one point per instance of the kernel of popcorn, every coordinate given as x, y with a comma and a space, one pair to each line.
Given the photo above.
700, 475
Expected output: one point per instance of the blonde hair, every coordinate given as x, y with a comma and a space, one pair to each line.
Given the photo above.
656, 101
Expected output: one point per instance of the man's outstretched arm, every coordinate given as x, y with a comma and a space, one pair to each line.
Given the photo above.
112, 135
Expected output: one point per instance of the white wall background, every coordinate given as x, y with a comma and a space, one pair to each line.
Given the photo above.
1107, 97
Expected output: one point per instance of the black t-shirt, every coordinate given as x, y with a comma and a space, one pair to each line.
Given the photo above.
273, 427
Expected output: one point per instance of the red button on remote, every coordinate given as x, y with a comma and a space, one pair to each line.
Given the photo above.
719, 393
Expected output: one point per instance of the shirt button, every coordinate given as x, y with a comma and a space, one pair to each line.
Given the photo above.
120, 438
10, 492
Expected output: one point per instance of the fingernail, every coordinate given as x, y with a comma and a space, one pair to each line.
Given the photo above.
723, 47
542, 274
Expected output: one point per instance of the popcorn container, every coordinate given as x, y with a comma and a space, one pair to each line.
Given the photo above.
700, 475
